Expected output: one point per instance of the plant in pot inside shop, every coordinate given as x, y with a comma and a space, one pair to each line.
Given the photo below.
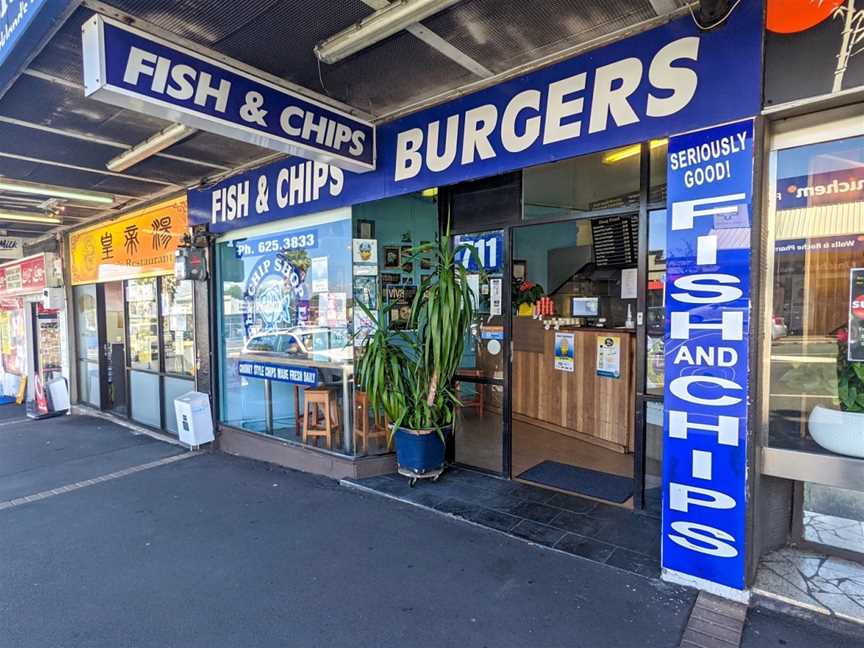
839, 429
408, 374
525, 293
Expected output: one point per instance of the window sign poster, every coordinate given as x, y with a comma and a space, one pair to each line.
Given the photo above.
318, 275
495, 296
332, 309
564, 343
609, 356
856, 315
489, 248
365, 251
267, 286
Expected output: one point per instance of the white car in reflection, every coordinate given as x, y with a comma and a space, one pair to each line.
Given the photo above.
303, 342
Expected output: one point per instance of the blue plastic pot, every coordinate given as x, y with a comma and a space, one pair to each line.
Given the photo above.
419, 451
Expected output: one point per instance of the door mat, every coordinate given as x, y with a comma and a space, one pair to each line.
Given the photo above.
592, 483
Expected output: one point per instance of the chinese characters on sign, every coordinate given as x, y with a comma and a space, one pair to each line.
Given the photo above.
141, 244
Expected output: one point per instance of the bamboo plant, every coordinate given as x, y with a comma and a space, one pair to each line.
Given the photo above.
409, 374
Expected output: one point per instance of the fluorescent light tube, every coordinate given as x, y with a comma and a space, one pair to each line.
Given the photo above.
25, 217
70, 193
150, 147
631, 151
378, 26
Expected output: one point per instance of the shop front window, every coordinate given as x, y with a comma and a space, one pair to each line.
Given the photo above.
607, 180
87, 328
143, 324
655, 302
285, 299
816, 327
12, 337
177, 326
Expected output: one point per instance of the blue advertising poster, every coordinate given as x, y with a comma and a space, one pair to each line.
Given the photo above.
489, 248
132, 69
710, 177
670, 79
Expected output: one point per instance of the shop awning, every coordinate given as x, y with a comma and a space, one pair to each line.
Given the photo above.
52, 134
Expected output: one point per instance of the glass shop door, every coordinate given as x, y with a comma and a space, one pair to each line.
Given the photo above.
480, 382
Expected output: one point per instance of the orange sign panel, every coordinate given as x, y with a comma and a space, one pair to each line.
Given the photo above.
140, 244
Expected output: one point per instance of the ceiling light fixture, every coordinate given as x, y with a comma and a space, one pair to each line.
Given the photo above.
27, 217
378, 26
69, 193
631, 151
150, 147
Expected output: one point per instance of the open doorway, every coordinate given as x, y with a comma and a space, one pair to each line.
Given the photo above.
574, 355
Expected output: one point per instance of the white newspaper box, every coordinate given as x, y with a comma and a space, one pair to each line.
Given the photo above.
194, 422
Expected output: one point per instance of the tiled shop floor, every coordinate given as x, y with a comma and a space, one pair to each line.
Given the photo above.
593, 530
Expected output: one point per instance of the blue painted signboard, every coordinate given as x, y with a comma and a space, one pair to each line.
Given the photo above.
132, 69
24, 24
280, 373
673, 78
710, 178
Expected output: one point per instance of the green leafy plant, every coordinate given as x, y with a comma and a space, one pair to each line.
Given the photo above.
409, 374
850, 376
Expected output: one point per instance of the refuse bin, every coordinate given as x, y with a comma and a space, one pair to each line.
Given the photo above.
194, 422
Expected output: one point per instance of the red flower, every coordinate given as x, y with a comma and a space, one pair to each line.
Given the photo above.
842, 336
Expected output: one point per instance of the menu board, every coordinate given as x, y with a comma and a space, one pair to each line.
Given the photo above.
616, 241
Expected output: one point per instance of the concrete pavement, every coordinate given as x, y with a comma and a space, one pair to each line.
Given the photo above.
218, 551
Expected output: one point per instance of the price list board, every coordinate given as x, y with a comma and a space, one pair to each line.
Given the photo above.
616, 241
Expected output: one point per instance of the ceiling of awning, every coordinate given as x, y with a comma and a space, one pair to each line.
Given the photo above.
49, 133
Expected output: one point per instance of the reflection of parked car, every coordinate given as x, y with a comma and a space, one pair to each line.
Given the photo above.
303, 342
778, 328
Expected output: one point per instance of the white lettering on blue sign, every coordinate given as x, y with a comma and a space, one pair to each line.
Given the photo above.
279, 373
671, 79
559, 118
710, 175
132, 69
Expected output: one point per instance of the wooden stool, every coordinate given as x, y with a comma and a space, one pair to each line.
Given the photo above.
361, 422
479, 401
325, 399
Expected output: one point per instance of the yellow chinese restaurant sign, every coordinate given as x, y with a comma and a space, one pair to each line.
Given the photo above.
140, 244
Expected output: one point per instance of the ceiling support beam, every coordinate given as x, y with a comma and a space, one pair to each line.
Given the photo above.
434, 41
75, 167
89, 137
519, 70
663, 7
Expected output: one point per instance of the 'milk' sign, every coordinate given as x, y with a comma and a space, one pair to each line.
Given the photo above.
710, 177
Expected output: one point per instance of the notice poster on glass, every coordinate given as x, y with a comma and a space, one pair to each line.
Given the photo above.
564, 343
318, 274
609, 356
365, 251
332, 309
495, 296
655, 362
856, 315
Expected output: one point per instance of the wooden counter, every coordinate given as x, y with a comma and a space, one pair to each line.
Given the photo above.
580, 404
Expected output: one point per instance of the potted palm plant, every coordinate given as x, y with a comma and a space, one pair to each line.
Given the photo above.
409, 373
